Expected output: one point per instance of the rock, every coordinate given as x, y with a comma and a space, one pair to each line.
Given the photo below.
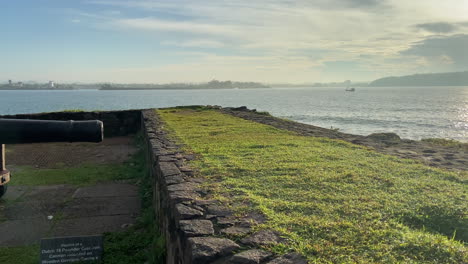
193, 205
168, 169
218, 210
186, 212
291, 258
253, 256
196, 227
263, 238
189, 156
206, 249
204, 202
186, 186
174, 179
226, 221
167, 158
241, 108
235, 231
255, 218
391, 137
186, 170
181, 196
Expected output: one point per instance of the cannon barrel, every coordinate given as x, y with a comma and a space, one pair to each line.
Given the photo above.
17, 131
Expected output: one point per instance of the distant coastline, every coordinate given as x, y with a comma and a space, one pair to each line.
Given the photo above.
215, 84
430, 79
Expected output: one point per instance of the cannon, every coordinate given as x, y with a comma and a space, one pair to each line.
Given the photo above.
21, 131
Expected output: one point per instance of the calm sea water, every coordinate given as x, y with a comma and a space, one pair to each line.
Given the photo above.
411, 112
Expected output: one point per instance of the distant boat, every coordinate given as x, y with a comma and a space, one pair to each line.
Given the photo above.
349, 89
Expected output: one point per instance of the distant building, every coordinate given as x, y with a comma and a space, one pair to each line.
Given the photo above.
20, 84
51, 84
10, 82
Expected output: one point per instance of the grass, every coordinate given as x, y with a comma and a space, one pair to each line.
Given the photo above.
140, 243
335, 202
83, 175
20, 255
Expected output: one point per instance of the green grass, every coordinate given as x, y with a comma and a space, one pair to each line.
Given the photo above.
19, 255
335, 202
84, 175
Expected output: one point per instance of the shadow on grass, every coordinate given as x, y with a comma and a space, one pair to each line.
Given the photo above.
451, 224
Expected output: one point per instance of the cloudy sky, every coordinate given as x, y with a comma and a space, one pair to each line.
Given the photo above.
272, 41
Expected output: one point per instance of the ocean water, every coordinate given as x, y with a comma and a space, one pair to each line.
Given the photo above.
411, 112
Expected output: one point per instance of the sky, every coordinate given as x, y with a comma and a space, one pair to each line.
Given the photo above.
270, 41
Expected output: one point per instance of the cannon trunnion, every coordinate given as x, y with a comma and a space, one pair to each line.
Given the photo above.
20, 131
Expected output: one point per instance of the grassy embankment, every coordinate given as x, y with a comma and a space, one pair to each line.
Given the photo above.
139, 244
335, 202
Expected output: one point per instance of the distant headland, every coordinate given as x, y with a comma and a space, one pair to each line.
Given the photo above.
430, 79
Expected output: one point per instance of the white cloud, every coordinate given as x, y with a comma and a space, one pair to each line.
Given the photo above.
149, 23
195, 43
281, 35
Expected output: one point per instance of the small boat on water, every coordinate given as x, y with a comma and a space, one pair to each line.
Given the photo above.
349, 89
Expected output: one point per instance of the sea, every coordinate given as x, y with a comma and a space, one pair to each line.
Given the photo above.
411, 112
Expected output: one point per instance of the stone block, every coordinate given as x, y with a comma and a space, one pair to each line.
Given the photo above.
253, 256
196, 227
235, 231
186, 212
263, 238
218, 210
180, 196
174, 179
168, 169
206, 249
186, 186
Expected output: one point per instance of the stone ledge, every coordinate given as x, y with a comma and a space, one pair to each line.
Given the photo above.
189, 221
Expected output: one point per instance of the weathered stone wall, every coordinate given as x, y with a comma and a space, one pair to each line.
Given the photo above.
196, 229
116, 123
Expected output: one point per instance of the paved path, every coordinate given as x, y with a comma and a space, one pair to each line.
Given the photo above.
75, 211
29, 213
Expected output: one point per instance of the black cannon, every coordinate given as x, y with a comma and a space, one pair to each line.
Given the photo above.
20, 131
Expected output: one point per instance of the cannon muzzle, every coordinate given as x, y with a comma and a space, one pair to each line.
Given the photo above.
17, 131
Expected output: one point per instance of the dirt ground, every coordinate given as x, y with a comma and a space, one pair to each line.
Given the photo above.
29, 213
452, 158
52, 155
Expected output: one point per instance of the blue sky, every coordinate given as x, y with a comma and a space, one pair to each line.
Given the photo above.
273, 41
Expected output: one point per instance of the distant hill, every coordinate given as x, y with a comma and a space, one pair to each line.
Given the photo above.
431, 79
